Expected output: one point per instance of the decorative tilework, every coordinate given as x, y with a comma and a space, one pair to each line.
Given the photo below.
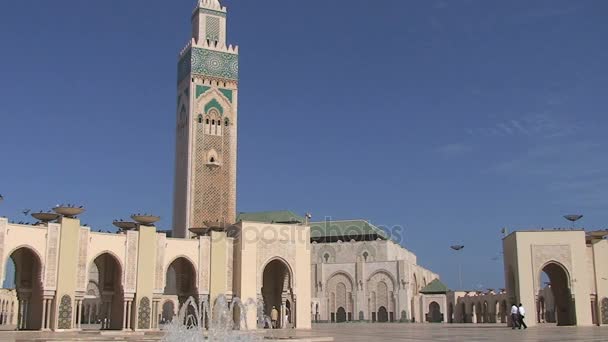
213, 28
65, 313
208, 11
227, 93
200, 90
605, 310
143, 317
184, 66
208, 63
215, 63
214, 104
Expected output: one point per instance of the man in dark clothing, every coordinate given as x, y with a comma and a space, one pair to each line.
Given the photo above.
522, 313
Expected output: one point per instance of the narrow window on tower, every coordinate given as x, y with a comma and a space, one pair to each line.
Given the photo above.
200, 118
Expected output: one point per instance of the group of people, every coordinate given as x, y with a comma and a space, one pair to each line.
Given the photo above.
518, 313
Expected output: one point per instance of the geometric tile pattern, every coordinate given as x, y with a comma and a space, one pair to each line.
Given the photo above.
211, 63
227, 93
214, 104
215, 63
213, 188
65, 313
143, 321
213, 28
604, 310
208, 11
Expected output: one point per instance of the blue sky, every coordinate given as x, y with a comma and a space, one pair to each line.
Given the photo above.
449, 118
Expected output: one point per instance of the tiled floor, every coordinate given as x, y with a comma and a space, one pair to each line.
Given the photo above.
356, 332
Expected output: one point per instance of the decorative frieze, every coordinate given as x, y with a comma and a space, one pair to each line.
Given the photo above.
50, 266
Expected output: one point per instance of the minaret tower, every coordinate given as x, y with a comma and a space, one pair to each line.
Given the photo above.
206, 124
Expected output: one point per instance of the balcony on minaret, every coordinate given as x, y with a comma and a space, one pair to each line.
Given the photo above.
213, 161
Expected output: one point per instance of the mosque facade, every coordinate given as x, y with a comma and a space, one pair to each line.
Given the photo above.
71, 277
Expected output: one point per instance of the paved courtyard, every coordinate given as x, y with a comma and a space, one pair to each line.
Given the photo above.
364, 332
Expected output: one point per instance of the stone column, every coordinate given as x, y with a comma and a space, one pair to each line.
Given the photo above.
129, 304
48, 313
44, 314
124, 315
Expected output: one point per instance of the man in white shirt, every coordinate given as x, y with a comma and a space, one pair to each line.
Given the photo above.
522, 313
514, 316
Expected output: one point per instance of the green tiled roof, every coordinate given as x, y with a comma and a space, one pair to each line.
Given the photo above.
436, 286
281, 216
344, 228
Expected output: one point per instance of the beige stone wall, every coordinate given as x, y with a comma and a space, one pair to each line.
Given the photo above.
258, 244
600, 255
530, 251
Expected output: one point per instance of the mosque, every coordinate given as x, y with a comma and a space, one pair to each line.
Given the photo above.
69, 277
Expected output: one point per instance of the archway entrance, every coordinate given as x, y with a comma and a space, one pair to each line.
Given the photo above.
276, 290
559, 281
103, 303
26, 313
180, 285
181, 280
168, 312
382, 314
434, 315
341, 315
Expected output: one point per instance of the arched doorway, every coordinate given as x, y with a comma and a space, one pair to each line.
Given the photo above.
180, 285
382, 314
341, 315
168, 312
276, 289
103, 303
27, 280
180, 280
434, 315
560, 287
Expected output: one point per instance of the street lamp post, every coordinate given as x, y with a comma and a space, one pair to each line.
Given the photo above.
459, 248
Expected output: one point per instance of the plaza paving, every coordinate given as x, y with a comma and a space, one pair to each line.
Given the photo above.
365, 332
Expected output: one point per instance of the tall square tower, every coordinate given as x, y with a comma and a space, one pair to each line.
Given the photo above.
206, 124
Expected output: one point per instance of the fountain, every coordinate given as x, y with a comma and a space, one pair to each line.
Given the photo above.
226, 322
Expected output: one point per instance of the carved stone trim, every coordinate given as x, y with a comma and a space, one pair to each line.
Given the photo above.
50, 264
83, 245
131, 267
541, 254
161, 240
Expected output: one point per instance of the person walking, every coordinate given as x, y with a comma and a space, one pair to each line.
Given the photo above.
274, 316
522, 314
514, 316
